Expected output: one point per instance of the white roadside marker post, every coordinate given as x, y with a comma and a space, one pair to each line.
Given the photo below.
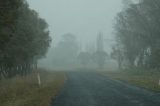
39, 79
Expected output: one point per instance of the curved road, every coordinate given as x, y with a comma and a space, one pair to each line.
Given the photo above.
91, 89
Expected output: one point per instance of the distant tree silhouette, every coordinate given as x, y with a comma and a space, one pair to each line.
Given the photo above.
100, 55
84, 58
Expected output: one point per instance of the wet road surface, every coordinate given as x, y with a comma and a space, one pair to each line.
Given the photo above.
91, 89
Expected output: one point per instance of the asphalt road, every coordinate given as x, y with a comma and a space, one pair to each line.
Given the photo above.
91, 89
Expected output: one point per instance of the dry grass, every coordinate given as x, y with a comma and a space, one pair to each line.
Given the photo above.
145, 79
24, 91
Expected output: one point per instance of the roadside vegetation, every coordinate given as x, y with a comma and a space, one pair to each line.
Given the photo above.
137, 44
25, 91
24, 38
137, 35
145, 79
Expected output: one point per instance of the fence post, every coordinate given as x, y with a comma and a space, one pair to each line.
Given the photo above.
39, 79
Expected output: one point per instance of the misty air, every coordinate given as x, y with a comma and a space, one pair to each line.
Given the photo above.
79, 53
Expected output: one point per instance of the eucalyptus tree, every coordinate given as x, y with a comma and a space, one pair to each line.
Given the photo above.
66, 51
25, 38
100, 56
137, 29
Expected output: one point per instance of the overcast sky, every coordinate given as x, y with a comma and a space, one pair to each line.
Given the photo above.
84, 18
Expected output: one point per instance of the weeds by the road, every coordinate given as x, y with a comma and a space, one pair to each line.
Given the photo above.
25, 91
145, 79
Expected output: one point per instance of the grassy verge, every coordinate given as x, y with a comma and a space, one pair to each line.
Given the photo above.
145, 79
24, 91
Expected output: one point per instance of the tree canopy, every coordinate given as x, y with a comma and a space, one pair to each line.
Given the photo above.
24, 37
137, 30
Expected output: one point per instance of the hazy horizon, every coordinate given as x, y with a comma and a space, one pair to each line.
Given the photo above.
84, 18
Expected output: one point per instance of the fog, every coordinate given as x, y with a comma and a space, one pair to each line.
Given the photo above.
80, 52
83, 18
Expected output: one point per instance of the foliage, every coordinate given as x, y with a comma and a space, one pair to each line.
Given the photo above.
84, 58
100, 56
24, 38
117, 54
137, 30
66, 51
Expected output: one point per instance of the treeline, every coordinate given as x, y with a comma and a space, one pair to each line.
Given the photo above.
137, 31
68, 54
24, 38
97, 57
